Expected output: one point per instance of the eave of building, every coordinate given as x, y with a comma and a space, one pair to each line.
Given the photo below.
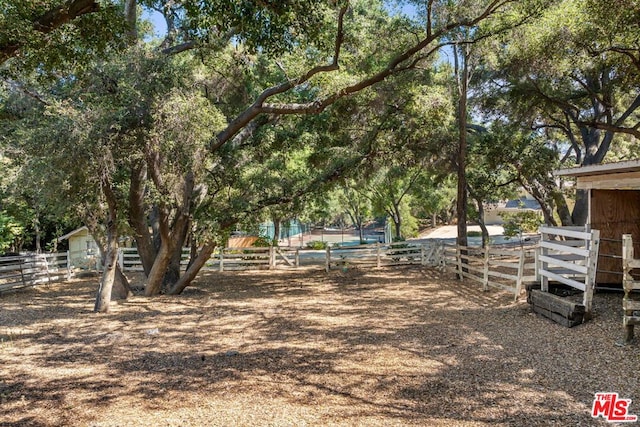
602, 169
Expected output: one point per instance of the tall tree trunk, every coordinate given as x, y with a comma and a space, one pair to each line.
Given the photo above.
463, 81
138, 217
179, 237
194, 268
156, 275
561, 207
36, 229
276, 230
131, 17
581, 208
108, 275
110, 262
397, 221
483, 226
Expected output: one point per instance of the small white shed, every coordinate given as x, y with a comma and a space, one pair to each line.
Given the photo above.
83, 249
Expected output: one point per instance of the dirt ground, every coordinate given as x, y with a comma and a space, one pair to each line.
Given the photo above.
380, 347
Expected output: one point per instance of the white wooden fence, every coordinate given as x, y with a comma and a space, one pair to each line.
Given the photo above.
569, 256
22, 271
380, 255
504, 268
226, 259
567, 259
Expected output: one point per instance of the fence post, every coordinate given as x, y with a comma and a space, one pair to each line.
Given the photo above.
422, 253
536, 264
459, 262
121, 259
297, 257
485, 278
590, 281
272, 258
46, 266
544, 282
520, 274
378, 255
221, 259
68, 265
327, 266
627, 284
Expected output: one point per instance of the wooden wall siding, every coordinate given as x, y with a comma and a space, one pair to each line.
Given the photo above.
614, 181
614, 213
241, 242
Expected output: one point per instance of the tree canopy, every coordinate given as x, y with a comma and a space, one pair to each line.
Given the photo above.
245, 110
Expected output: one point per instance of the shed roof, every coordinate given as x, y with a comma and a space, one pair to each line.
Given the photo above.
74, 232
603, 169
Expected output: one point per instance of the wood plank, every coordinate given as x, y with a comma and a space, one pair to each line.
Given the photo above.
564, 280
629, 304
564, 232
565, 257
502, 286
557, 318
631, 285
514, 265
556, 246
565, 308
582, 269
630, 320
472, 277
503, 275
504, 252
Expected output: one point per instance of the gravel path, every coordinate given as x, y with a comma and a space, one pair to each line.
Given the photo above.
378, 347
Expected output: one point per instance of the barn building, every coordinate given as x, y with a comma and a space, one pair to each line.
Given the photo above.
614, 209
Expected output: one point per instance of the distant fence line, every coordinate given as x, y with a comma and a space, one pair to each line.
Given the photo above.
506, 269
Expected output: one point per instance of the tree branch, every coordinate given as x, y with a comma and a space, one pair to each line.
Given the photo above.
51, 20
394, 66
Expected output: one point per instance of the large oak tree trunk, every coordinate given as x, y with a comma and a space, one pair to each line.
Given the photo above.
138, 217
172, 275
193, 269
108, 276
156, 275
110, 256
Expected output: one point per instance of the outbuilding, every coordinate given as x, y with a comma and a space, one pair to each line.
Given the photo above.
614, 209
83, 250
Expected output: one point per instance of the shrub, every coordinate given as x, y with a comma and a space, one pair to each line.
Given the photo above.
317, 245
262, 242
526, 222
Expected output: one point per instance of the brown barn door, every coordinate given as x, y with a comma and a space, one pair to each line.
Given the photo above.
614, 213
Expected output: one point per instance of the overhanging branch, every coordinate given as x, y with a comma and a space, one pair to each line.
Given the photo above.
395, 65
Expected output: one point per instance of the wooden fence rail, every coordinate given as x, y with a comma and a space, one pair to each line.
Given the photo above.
29, 270
502, 268
629, 305
380, 255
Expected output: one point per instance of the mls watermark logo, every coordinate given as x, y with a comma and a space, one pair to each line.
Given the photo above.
612, 408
